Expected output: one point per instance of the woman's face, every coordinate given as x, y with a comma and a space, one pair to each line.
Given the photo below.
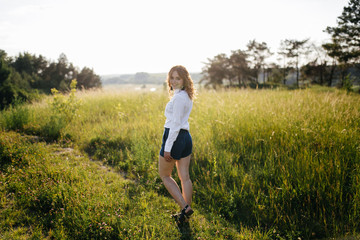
175, 81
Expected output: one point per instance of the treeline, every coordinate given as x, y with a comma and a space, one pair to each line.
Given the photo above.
141, 78
26, 76
333, 63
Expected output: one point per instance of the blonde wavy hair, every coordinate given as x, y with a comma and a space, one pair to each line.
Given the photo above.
185, 76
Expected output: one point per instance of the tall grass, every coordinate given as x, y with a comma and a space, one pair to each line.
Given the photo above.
47, 192
16, 118
284, 161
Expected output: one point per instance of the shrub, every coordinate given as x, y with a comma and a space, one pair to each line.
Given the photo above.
63, 110
16, 117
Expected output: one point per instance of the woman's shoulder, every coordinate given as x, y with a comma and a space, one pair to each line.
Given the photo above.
182, 96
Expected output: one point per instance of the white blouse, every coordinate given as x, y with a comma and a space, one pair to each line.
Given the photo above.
177, 113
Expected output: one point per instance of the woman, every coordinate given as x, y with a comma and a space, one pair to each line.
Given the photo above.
176, 147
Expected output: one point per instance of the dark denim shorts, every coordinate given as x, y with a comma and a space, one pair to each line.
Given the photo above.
182, 146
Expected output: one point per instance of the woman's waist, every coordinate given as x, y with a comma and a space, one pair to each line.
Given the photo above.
171, 124
181, 129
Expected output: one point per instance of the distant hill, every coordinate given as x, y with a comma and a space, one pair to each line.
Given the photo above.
141, 78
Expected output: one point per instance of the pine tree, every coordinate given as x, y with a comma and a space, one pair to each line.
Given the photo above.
345, 45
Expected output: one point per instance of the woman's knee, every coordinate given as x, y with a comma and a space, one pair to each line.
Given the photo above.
184, 177
162, 174
165, 168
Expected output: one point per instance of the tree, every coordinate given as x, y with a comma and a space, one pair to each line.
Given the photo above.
345, 45
12, 86
239, 67
21, 77
258, 52
275, 73
216, 70
48, 78
39, 64
233, 70
347, 34
141, 77
64, 73
318, 68
321, 63
88, 79
283, 59
57, 74
294, 49
3, 55
24, 63
4, 72
27, 66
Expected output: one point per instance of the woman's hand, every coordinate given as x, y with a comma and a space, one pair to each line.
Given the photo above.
167, 156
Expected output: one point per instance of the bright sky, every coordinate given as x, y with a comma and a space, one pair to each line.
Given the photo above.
129, 36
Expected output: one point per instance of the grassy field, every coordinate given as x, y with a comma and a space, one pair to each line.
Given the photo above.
267, 164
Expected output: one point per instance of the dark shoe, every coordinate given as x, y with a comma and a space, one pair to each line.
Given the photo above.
182, 216
188, 213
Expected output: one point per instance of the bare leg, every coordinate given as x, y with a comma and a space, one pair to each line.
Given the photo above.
186, 184
165, 169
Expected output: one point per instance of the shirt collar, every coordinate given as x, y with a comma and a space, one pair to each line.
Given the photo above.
177, 91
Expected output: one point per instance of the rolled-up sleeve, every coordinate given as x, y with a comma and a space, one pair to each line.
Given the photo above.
178, 113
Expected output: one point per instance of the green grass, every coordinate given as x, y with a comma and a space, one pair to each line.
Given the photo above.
49, 192
282, 163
